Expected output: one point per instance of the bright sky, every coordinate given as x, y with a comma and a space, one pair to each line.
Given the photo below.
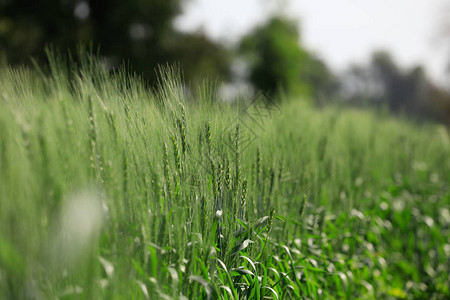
339, 31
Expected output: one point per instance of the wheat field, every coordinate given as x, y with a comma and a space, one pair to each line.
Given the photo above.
112, 190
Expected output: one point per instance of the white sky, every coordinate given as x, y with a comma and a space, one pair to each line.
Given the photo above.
339, 31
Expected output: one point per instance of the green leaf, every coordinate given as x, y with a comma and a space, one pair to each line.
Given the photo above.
241, 246
211, 293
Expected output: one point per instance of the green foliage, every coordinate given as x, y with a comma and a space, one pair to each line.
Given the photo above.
135, 31
278, 61
110, 191
201, 58
383, 82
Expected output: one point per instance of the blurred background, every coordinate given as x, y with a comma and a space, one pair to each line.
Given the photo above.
391, 55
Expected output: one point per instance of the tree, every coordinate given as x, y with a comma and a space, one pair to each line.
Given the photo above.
407, 91
200, 58
136, 31
277, 61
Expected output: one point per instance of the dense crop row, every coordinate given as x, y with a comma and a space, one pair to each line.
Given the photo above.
110, 190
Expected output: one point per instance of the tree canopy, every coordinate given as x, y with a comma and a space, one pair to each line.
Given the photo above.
383, 82
137, 31
278, 61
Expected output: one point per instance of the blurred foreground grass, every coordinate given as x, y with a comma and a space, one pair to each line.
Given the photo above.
111, 191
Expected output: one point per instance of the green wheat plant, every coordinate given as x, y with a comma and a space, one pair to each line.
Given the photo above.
110, 189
